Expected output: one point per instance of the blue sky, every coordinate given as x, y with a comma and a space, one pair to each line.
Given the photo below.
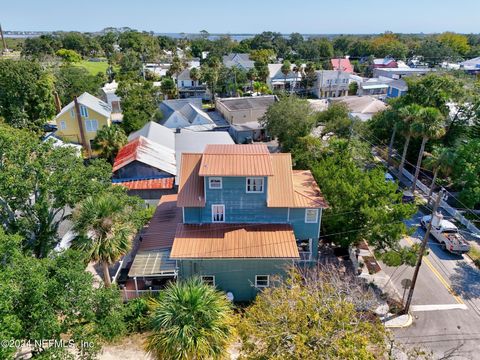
244, 16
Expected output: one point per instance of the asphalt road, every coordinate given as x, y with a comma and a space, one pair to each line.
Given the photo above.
446, 301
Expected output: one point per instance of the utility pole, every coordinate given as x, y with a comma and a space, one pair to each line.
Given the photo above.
3, 40
422, 250
85, 143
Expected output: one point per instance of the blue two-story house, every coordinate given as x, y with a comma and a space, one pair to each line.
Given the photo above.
247, 216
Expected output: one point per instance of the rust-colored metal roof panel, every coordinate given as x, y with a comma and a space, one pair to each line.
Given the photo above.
150, 184
307, 192
228, 241
191, 188
236, 160
160, 231
280, 185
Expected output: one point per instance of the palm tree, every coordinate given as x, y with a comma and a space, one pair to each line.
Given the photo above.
104, 227
252, 76
109, 141
440, 160
195, 75
286, 68
409, 115
430, 126
191, 321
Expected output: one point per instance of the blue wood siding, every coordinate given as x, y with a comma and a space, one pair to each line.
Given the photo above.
236, 276
139, 170
305, 230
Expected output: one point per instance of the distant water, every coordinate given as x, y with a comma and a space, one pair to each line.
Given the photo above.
236, 37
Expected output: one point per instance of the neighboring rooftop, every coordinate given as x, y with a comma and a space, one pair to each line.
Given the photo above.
90, 102
185, 113
238, 59
363, 107
149, 184
148, 152
210, 241
342, 64
157, 133
248, 103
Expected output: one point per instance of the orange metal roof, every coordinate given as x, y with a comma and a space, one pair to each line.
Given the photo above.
213, 241
150, 184
280, 185
307, 192
160, 231
190, 189
236, 160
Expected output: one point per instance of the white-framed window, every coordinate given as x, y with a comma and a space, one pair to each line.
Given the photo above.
311, 215
208, 279
254, 184
218, 213
262, 281
72, 113
91, 125
215, 183
83, 111
63, 125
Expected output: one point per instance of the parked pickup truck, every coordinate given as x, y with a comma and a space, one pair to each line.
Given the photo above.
446, 234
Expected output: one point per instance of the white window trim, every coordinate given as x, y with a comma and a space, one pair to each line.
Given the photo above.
223, 206
215, 178
91, 121
316, 216
209, 276
83, 111
262, 286
63, 125
254, 192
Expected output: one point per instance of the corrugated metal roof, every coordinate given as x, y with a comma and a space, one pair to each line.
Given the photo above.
210, 241
248, 103
153, 263
160, 231
280, 185
149, 184
342, 64
191, 189
236, 160
157, 133
307, 192
148, 152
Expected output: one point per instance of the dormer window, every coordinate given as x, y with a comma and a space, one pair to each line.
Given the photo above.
255, 185
215, 183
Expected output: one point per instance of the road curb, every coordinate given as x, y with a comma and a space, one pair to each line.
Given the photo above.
397, 322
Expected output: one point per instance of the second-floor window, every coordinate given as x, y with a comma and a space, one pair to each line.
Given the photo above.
215, 183
91, 125
311, 215
83, 111
218, 213
63, 125
254, 185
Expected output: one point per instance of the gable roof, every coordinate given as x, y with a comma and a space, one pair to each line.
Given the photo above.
90, 102
190, 188
342, 64
157, 133
148, 152
306, 191
238, 59
363, 104
213, 241
186, 113
236, 160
